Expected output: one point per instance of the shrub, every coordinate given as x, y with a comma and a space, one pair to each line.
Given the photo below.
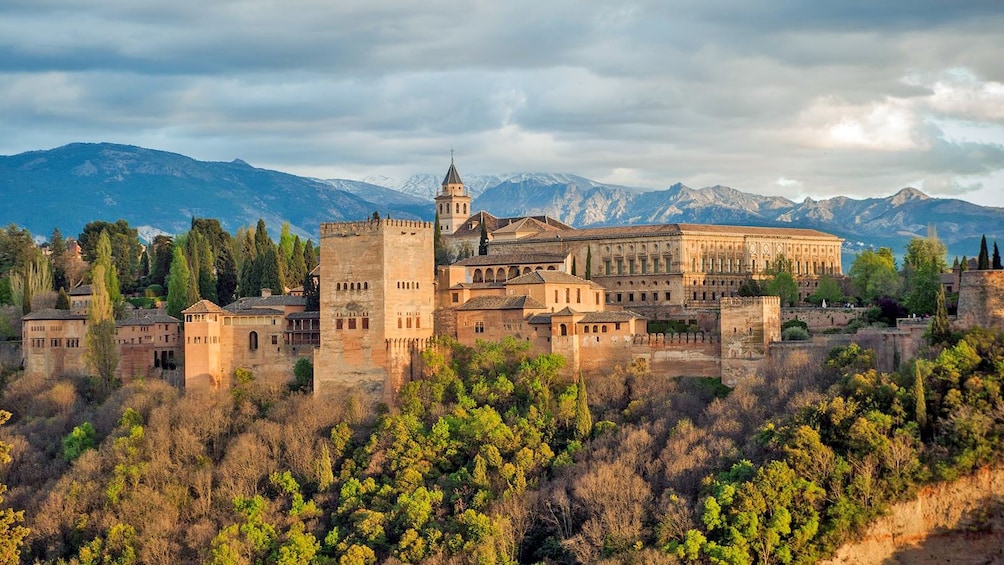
795, 324
794, 333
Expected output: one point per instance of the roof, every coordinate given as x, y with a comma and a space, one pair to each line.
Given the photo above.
316, 271
452, 176
303, 315
274, 301
148, 320
82, 290
511, 259
471, 227
255, 312
610, 317
53, 314
203, 307
554, 277
651, 230
502, 303
480, 285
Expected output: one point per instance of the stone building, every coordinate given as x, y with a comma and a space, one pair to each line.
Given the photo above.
149, 344
377, 301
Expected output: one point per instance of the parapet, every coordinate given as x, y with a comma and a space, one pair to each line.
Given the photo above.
370, 226
742, 301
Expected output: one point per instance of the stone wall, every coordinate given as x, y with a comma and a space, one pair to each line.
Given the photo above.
981, 300
748, 326
819, 319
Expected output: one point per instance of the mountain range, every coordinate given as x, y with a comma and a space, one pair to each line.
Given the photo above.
159, 192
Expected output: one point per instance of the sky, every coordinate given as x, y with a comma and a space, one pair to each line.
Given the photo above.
799, 99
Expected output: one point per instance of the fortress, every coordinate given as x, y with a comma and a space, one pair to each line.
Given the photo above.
586, 294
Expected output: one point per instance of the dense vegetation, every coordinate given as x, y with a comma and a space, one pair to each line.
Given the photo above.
492, 458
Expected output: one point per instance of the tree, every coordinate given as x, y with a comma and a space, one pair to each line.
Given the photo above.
941, 330
160, 262
179, 285
783, 283
63, 300
16, 248
574, 273
441, 251
583, 418
101, 355
226, 273
57, 256
920, 401
297, 266
103, 257
983, 261
286, 242
12, 533
922, 267
874, 274
483, 243
750, 287
34, 279
125, 249
996, 263
311, 293
589, 264
309, 256
828, 290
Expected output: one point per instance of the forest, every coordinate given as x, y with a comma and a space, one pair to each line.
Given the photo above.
491, 458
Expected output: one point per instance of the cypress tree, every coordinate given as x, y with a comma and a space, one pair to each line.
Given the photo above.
178, 284
297, 266
226, 274
63, 300
103, 257
589, 264
996, 264
583, 418
101, 354
983, 261
483, 244
920, 405
57, 254
941, 330
309, 258
574, 274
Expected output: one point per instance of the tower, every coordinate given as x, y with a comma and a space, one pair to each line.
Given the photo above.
376, 306
453, 203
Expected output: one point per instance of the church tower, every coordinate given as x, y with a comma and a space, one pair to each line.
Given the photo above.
453, 203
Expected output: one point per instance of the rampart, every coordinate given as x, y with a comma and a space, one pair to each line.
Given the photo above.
981, 300
819, 319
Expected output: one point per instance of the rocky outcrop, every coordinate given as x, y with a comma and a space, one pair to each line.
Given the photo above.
946, 523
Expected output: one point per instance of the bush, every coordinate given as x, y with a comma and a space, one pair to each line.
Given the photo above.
794, 324
154, 291
794, 333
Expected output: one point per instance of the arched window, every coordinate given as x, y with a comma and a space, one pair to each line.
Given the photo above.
253, 341
526, 270
564, 329
477, 276
500, 275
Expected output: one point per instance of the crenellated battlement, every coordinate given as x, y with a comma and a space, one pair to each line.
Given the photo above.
743, 301
346, 229
676, 339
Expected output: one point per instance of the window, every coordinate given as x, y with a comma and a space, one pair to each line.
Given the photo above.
667, 296
603, 329
617, 326
418, 322
399, 323
352, 323
578, 296
456, 297
366, 323
253, 341
338, 324
568, 295
479, 327
564, 329
586, 329
606, 267
275, 340
409, 323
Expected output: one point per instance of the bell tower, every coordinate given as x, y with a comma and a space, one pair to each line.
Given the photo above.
453, 203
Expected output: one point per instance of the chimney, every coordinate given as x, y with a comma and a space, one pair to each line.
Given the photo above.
266, 292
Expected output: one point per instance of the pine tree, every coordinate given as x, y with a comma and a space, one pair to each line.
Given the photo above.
589, 264
178, 284
483, 243
583, 418
983, 261
996, 263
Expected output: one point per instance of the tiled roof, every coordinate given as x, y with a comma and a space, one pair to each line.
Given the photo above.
203, 307
53, 314
610, 317
538, 277
501, 303
480, 285
255, 312
539, 319
303, 315
452, 176
511, 259
274, 301
651, 230
148, 320
82, 290
472, 225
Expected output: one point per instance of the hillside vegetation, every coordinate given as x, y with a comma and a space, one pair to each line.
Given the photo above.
492, 458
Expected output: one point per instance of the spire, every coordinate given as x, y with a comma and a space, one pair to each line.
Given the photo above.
452, 176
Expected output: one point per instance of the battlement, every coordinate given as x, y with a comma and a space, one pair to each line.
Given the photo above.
345, 229
743, 301
670, 339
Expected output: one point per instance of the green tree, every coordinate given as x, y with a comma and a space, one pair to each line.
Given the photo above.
941, 330
440, 249
922, 267
996, 263
226, 273
303, 376
179, 285
57, 256
103, 257
583, 417
783, 283
311, 293
12, 533
63, 300
297, 266
483, 243
589, 264
82, 438
828, 290
161, 247
920, 400
983, 261
102, 355
874, 275
751, 287
309, 255
286, 242
574, 273
125, 249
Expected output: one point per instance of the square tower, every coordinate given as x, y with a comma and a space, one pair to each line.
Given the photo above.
376, 305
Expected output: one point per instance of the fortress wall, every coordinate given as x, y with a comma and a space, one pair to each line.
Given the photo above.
981, 300
819, 319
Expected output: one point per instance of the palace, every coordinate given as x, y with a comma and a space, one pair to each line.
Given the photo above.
587, 294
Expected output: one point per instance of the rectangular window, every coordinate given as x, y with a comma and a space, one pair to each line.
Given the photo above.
619, 297
644, 296
479, 327
456, 297
630, 297
644, 266
275, 340
366, 323
418, 322
667, 296
655, 264
409, 323
338, 323
606, 267
617, 326
399, 323
631, 266
352, 323
620, 266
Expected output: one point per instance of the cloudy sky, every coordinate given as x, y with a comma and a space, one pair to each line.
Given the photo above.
813, 98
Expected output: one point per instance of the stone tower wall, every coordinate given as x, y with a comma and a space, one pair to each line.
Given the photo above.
981, 300
377, 297
748, 326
